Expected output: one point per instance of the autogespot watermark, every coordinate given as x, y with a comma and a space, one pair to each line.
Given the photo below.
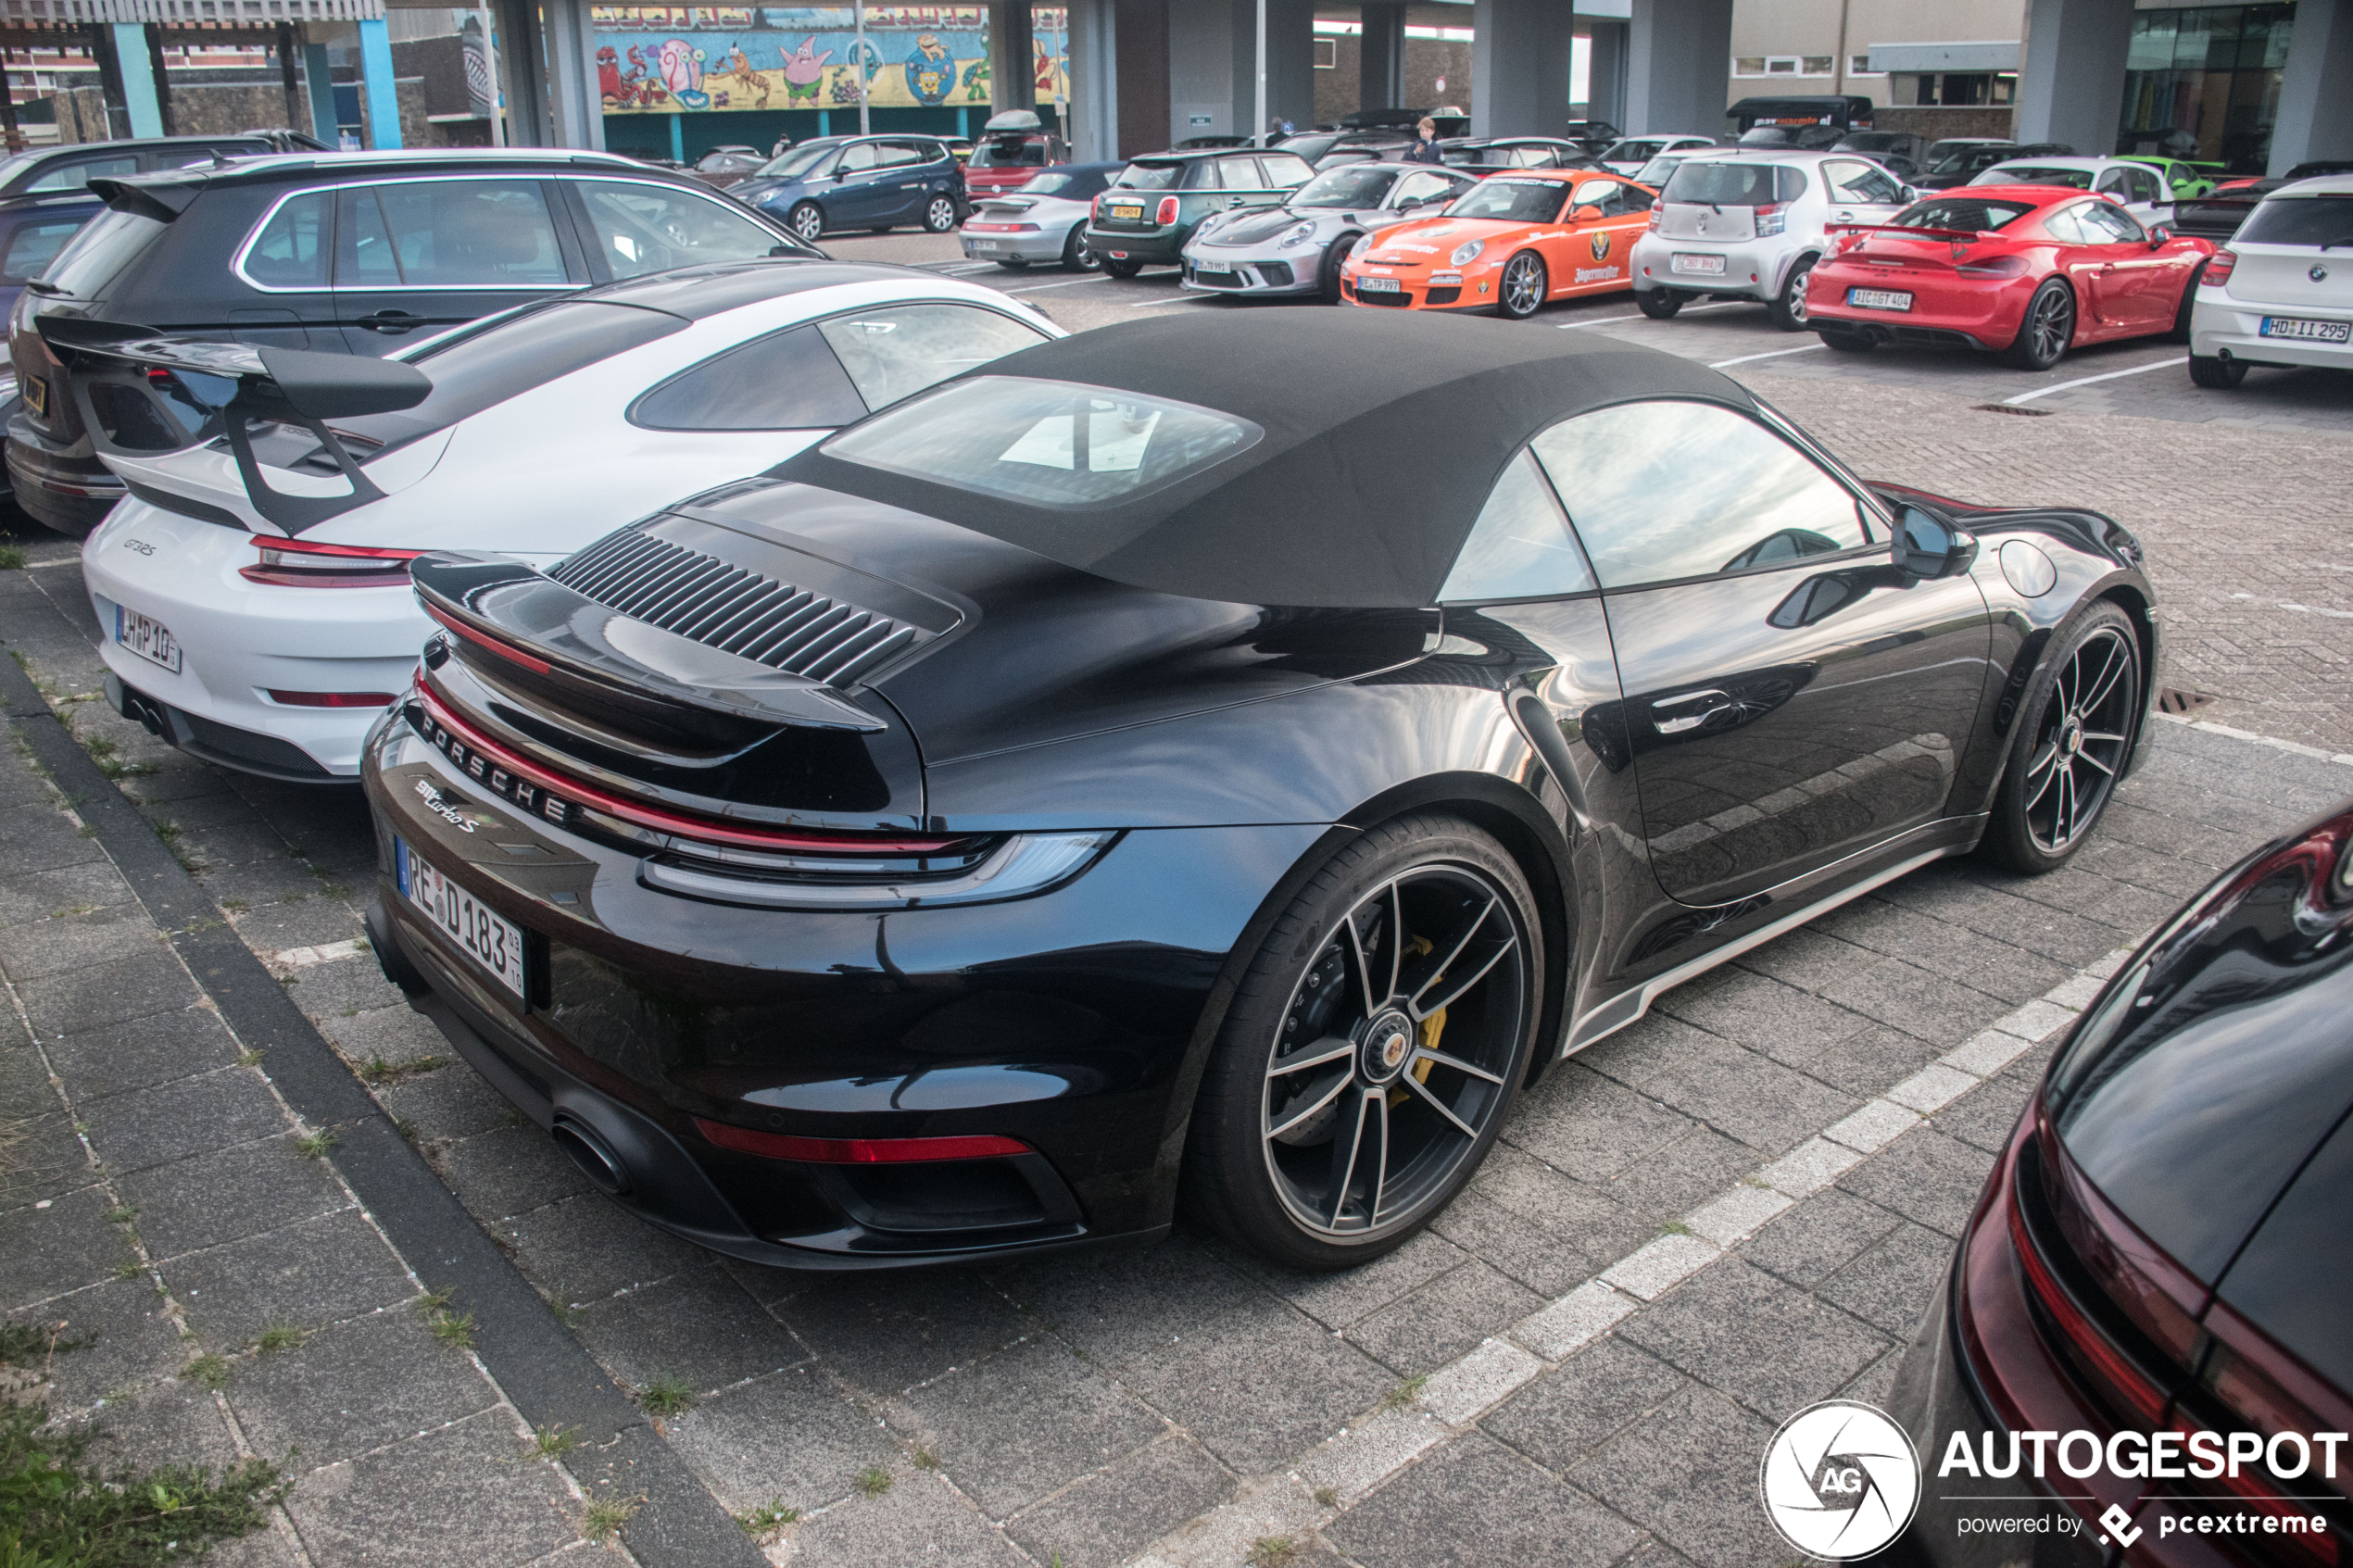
1840, 1480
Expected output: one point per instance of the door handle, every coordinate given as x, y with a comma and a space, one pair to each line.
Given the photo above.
390, 322
1846, 217
1717, 701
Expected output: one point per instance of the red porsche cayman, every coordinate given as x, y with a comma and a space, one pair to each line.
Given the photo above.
2024, 271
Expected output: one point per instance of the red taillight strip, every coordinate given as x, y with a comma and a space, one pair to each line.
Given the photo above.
334, 699
701, 828
321, 547
859, 1151
507, 651
2120, 1379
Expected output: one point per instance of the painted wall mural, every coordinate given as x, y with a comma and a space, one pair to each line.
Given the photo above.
673, 59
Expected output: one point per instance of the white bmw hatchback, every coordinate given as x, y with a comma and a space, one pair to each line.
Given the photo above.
253, 592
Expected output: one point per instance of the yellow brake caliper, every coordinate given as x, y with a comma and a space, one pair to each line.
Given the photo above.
1430, 1029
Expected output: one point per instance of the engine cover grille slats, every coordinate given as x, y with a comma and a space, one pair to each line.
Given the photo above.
733, 609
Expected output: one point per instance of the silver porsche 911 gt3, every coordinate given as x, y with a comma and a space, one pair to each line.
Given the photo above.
1297, 248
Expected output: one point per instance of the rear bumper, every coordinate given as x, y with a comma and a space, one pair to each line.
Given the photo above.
70, 492
226, 746
1044, 245
1751, 270
1155, 248
1943, 314
2223, 327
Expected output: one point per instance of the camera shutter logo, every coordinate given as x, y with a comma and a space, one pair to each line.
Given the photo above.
1839, 1480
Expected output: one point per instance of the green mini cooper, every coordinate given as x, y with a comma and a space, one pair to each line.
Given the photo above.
1151, 209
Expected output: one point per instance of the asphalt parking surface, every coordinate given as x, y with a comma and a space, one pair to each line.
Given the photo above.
1735, 1208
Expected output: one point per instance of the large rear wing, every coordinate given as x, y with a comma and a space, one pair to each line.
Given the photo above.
141, 392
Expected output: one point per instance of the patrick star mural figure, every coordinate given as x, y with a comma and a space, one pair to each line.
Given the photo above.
804, 68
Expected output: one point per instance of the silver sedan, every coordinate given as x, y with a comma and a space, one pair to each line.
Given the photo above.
1043, 219
1297, 248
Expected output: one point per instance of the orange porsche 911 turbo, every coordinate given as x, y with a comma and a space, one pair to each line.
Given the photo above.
1508, 244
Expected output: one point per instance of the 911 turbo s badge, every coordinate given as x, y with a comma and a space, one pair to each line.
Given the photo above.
1601, 252
439, 806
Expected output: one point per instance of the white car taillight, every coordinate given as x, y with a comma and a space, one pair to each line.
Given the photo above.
2218, 270
1771, 218
304, 563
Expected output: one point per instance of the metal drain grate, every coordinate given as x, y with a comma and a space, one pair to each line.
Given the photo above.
2174, 700
2005, 408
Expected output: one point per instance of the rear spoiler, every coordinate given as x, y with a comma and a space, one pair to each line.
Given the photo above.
1966, 236
161, 199
225, 387
518, 614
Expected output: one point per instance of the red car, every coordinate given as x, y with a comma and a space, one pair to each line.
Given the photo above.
1011, 149
2024, 271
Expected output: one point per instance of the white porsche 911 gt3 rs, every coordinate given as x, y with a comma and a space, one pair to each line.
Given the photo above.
253, 589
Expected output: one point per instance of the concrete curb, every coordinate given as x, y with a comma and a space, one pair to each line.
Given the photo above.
543, 1369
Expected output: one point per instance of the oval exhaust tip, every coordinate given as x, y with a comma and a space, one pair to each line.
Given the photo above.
594, 1156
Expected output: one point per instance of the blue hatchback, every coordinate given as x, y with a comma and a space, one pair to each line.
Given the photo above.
876, 183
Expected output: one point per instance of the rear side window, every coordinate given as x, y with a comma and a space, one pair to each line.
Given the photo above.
1285, 173
1962, 214
1520, 547
450, 233
1734, 184
73, 174
2300, 221
788, 381
32, 246
1238, 173
1151, 176
291, 250
1664, 490
896, 351
94, 258
649, 228
480, 368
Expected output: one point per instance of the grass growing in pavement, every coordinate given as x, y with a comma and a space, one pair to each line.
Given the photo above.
767, 1519
11, 557
1273, 1552
872, 1481
58, 1511
24, 1343
211, 1369
1405, 1393
276, 1337
315, 1145
608, 1514
665, 1396
453, 1329
553, 1442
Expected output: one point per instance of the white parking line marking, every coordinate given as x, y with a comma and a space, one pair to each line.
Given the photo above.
1063, 284
1773, 354
2082, 380
1181, 299
2304, 609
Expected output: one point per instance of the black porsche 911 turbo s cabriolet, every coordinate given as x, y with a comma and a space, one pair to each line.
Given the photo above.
1216, 761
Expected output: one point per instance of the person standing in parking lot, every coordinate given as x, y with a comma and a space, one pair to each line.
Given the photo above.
1424, 147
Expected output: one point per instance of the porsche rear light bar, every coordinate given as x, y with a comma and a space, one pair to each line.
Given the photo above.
305, 563
2266, 1386
561, 798
859, 1151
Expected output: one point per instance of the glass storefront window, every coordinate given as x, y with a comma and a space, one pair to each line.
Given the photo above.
2203, 83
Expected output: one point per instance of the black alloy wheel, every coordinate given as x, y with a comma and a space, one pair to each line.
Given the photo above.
1119, 268
1372, 1049
2216, 372
1077, 255
2048, 328
939, 214
808, 221
1328, 274
1659, 304
1524, 285
1787, 309
2181, 333
2066, 760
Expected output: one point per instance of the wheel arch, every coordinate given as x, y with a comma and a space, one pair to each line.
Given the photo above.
2127, 596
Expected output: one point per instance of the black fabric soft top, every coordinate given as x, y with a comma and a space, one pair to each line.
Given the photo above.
1384, 433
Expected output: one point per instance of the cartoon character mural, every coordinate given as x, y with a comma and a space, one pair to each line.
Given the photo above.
681, 66
608, 75
743, 78
931, 70
655, 60
804, 68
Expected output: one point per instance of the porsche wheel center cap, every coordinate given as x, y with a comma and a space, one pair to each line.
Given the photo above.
1387, 1041
2072, 737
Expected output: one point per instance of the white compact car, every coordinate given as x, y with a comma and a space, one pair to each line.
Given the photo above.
1627, 154
1748, 223
2139, 188
2280, 292
253, 587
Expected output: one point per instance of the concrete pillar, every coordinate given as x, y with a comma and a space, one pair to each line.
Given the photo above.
2071, 86
138, 78
318, 81
521, 47
578, 108
1013, 57
1605, 72
1679, 59
380, 97
2316, 90
1210, 86
1092, 126
1291, 62
1519, 66
1380, 57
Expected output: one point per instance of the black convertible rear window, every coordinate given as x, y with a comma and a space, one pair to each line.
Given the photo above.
2301, 221
1047, 443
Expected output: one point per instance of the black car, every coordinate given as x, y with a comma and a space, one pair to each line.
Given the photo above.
1190, 760
1960, 167
2165, 1247
2218, 214
1317, 146
1489, 154
345, 252
876, 183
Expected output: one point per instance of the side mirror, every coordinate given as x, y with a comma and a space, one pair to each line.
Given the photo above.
1589, 213
1927, 545
2159, 234
1909, 195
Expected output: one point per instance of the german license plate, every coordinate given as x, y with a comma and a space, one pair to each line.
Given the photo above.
493, 943
1688, 261
149, 639
982, 244
1878, 299
1379, 285
2310, 331
1127, 214
36, 395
